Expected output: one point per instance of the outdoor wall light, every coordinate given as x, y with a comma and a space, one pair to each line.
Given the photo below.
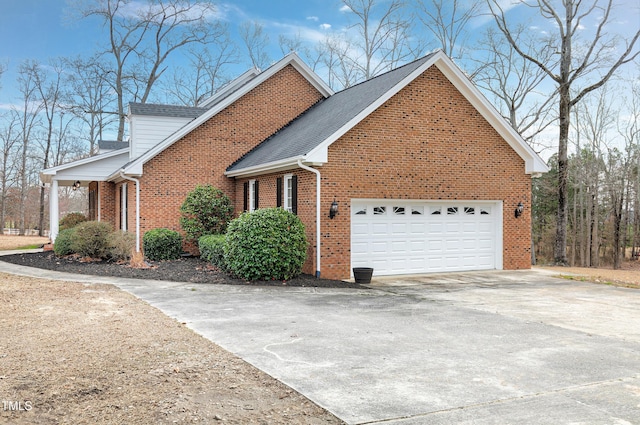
519, 209
76, 185
333, 211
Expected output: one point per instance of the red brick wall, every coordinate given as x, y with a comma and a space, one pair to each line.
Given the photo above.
202, 156
427, 142
107, 204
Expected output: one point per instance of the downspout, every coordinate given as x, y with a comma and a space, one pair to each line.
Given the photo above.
137, 182
317, 173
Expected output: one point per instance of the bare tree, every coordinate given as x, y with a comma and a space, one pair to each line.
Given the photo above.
206, 73
447, 20
340, 68
629, 130
48, 86
256, 41
514, 82
88, 98
143, 35
8, 168
28, 119
383, 37
579, 70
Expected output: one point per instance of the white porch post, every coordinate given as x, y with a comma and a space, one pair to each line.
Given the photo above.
53, 210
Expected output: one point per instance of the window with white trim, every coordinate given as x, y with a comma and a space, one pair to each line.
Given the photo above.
252, 195
288, 192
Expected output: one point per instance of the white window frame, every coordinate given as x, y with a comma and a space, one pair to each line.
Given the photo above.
287, 195
252, 198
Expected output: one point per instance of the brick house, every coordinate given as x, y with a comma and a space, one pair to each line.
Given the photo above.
426, 176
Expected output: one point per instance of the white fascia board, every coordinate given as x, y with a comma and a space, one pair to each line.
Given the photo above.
311, 76
293, 59
235, 83
271, 167
533, 163
46, 175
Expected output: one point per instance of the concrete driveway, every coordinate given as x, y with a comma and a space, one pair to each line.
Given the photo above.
473, 348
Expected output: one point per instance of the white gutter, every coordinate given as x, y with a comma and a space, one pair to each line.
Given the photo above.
318, 240
137, 182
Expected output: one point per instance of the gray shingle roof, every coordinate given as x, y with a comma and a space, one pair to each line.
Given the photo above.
112, 145
165, 110
323, 119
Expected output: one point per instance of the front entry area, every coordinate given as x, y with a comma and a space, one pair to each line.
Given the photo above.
411, 237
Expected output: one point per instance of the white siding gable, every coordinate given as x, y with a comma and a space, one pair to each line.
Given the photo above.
147, 131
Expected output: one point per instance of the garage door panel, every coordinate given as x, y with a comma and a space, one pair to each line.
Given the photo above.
418, 228
423, 236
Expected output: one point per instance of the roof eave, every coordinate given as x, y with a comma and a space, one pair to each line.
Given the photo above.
270, 167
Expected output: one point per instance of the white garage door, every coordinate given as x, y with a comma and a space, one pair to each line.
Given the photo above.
404, 237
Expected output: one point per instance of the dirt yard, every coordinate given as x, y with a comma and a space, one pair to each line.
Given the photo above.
72, 353
627, 276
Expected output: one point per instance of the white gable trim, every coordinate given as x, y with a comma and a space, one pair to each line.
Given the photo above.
533, 163
234, 84
135, 167
87, 169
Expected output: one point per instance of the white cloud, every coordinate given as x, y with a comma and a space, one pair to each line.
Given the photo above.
345, 9
581, 27
312, 18
305, 33
325, 26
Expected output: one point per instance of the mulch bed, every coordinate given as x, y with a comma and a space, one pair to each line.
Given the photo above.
188, 269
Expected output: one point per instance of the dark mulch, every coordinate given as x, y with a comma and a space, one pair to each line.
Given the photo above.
188, 269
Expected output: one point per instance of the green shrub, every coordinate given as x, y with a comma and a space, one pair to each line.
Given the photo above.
267, 244
121, 245
212, 249
206, 211
162, 244
90, 239
72, 220
64, 242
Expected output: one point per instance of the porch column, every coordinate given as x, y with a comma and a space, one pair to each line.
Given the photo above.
53, 210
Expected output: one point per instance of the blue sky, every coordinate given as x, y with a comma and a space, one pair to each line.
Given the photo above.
41, 29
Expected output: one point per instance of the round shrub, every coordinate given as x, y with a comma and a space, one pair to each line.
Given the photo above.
162, 244
267, 244
72, 220
212, 249
64, 242
206, 211
121, 245
90, 239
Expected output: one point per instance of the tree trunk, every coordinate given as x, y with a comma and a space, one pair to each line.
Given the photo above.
560, 249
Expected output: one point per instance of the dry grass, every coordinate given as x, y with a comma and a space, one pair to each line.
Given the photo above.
628, 276
18, 242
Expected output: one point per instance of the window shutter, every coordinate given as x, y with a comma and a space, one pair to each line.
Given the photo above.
279, 192
246, 196
294, 194
255, 194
